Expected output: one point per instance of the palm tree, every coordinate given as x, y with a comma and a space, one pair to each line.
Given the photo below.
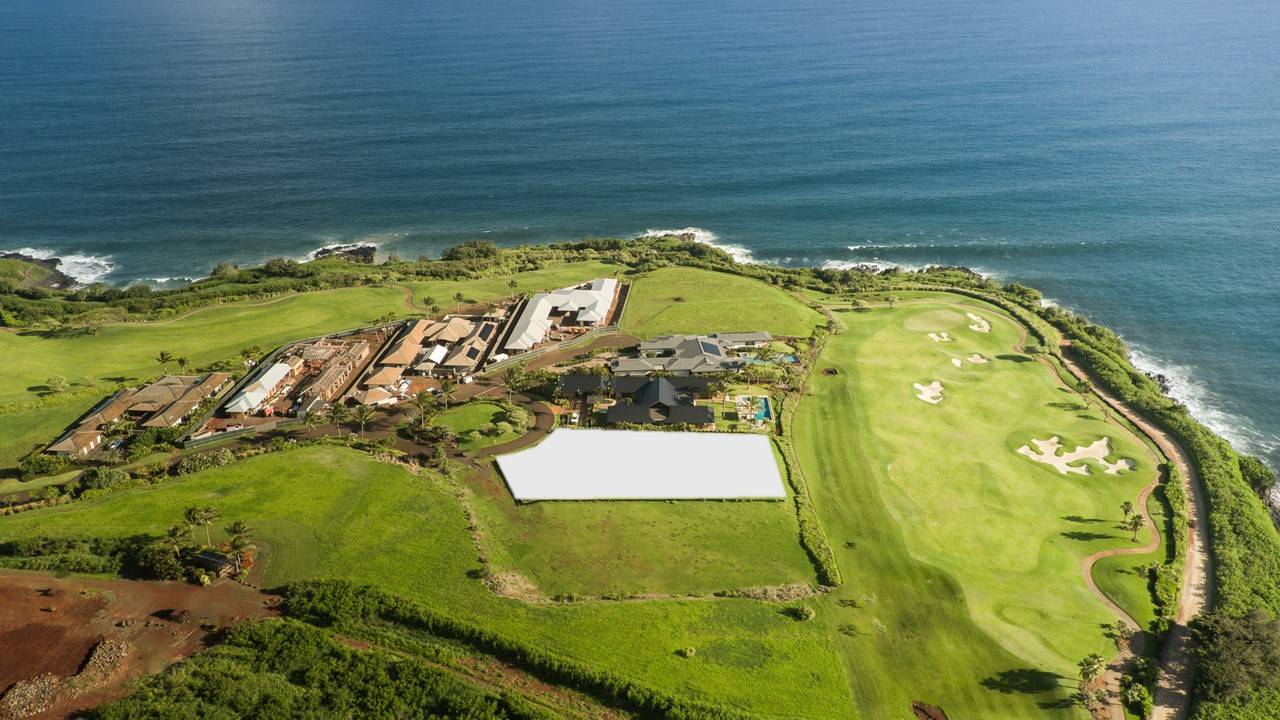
435, 309
363, 415
191, 518
238, 528
338, 414
1127, 508
423, 402
248, 354
512, 284
512, 377
1092, 667
164, 358
311, 421
208, 516
458, 298
183, 361
239, 542
175, 538
447, 386
1136, 523
430, 302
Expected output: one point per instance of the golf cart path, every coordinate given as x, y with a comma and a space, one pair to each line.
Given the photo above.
1177, 670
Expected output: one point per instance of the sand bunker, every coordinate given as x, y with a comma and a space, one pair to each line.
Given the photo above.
979, 324
957, 362
1072, 462
975, 358
931, 393
940, 337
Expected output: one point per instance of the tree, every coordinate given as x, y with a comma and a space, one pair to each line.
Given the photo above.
423, 403
1236, 655
175, 537
238, 528
458, 298
1135, 523
239, 541
435, 309
208, 516
164, 358
513, 378
447, 388
338, 414
183, 361
191, 519
311, 421
248, 355
1128, 509
892, 300
363, 416
512, 284
1084, 387
1092, 667
429, 301
57, 383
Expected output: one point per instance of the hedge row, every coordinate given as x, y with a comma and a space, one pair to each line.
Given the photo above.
812, 537
329, 603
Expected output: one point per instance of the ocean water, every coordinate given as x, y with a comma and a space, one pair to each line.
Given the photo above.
1123, 156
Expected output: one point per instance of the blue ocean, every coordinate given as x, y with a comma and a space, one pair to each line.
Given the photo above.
1123, 156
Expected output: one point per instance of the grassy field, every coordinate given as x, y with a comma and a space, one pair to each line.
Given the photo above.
21, 432
483, 289
962, 558
128, 350
473, 415
712, 302
23, 273
331, 512
623, 548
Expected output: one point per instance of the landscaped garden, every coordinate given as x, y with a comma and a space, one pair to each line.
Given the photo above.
480, 424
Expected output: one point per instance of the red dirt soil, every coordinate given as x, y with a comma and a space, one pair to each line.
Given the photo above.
50, 625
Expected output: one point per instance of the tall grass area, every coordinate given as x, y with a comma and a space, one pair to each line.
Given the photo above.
695, 301
324, 512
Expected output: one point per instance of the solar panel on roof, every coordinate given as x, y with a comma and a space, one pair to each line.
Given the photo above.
486, 331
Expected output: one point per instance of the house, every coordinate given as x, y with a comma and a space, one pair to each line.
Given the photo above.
583, 306
658, 402
253, 395
385, 375
465, 356
164, 403
690, 354
574, 386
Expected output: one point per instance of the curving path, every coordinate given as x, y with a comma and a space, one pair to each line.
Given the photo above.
1177, 669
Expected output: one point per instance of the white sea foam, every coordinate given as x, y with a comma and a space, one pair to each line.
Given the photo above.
84, 268
1204, 406
167, 280
706, 237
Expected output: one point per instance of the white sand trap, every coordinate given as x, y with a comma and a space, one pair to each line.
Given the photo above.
940, 337
979, 323
975, 358
931, 393
1098, 451
957, 362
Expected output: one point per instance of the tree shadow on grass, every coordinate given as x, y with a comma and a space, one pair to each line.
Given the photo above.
1067, 406
1078, 519
1022, 680
1086, 536
1015, 358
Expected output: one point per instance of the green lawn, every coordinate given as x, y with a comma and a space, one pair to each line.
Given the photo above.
128, 350
551, 278
473, 415
712, 302
332, 512
23, 273
624, 548
962, 557
21, 432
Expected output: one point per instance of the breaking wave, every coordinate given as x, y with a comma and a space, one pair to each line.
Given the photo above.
86, 269
706, 237
1204, 405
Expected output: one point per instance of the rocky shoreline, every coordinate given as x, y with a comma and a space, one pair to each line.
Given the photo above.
54, 280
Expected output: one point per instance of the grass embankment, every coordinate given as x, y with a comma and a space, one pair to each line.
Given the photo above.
963, 558
331, 512
689, 300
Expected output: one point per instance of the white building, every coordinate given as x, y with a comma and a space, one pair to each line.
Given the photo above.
255, 393
586, 305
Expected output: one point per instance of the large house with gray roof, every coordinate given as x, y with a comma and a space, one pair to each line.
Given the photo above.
658, 402
691, 354
582, 306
